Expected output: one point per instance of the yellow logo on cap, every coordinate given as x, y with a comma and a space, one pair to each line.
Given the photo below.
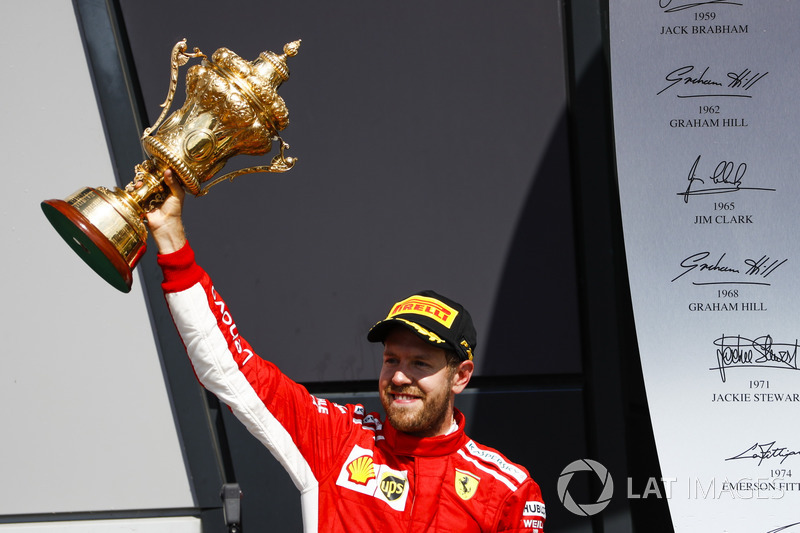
430, 307
467, 349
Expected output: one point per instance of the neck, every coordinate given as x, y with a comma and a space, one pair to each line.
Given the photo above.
443, 426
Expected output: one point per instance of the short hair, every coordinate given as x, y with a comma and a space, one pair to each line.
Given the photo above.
453, 359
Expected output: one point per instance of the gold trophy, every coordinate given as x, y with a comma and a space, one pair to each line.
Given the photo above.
232, 107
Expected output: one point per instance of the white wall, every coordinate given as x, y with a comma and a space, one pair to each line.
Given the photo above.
140, 525
85, 418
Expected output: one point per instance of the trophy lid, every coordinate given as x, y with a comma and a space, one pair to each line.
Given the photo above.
271, 66
260, 79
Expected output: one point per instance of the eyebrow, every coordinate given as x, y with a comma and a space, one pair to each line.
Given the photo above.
416, 356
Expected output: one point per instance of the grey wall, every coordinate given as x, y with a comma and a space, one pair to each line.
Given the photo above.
86, 424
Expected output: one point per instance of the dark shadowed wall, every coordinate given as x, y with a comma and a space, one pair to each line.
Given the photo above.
432, 154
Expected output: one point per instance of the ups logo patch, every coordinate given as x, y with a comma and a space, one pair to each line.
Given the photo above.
392, 486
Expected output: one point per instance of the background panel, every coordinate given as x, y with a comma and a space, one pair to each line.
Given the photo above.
432, 154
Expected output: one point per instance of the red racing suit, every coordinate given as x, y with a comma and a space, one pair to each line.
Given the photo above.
354, 472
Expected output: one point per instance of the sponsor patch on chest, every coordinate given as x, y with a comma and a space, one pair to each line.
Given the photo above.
362, 474
466, 484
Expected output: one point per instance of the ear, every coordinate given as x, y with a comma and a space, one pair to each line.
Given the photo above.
462, 376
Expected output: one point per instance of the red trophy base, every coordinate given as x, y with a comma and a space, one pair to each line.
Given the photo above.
91, 244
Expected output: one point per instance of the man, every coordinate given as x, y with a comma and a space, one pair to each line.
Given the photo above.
415, 472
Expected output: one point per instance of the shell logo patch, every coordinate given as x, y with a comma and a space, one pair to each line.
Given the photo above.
360, 473
466, 484
361, 470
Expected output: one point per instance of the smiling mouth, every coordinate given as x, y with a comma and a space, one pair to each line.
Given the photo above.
404, 397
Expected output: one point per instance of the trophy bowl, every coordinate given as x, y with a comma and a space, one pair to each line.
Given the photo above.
232, 107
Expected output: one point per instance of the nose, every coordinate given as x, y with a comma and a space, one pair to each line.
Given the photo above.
400, 378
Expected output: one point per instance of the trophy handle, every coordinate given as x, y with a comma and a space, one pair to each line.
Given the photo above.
279, 163
178, 58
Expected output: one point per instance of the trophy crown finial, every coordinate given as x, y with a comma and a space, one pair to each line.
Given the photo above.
291, 49
278, 62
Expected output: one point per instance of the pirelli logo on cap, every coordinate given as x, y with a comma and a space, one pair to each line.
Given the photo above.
430, 307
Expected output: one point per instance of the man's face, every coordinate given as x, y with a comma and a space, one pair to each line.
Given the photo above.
416, 385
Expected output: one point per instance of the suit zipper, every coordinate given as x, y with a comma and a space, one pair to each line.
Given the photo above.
413, 497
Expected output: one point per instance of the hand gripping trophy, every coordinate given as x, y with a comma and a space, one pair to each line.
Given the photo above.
232, 107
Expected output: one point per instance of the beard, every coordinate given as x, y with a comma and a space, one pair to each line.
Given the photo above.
420, 420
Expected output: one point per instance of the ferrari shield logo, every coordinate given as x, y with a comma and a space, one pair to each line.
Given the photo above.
466, 484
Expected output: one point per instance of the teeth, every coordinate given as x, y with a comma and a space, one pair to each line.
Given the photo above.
404, 397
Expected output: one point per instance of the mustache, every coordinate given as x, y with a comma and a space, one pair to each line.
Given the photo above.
409, 390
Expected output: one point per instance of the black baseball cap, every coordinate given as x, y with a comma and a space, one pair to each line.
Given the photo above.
436, 319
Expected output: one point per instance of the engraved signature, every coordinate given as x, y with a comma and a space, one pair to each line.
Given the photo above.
760, 268
738, 81
777, 530
665, 5
761, 352
764, 452
727, 177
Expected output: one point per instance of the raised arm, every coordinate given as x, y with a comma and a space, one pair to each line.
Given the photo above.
165, 222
